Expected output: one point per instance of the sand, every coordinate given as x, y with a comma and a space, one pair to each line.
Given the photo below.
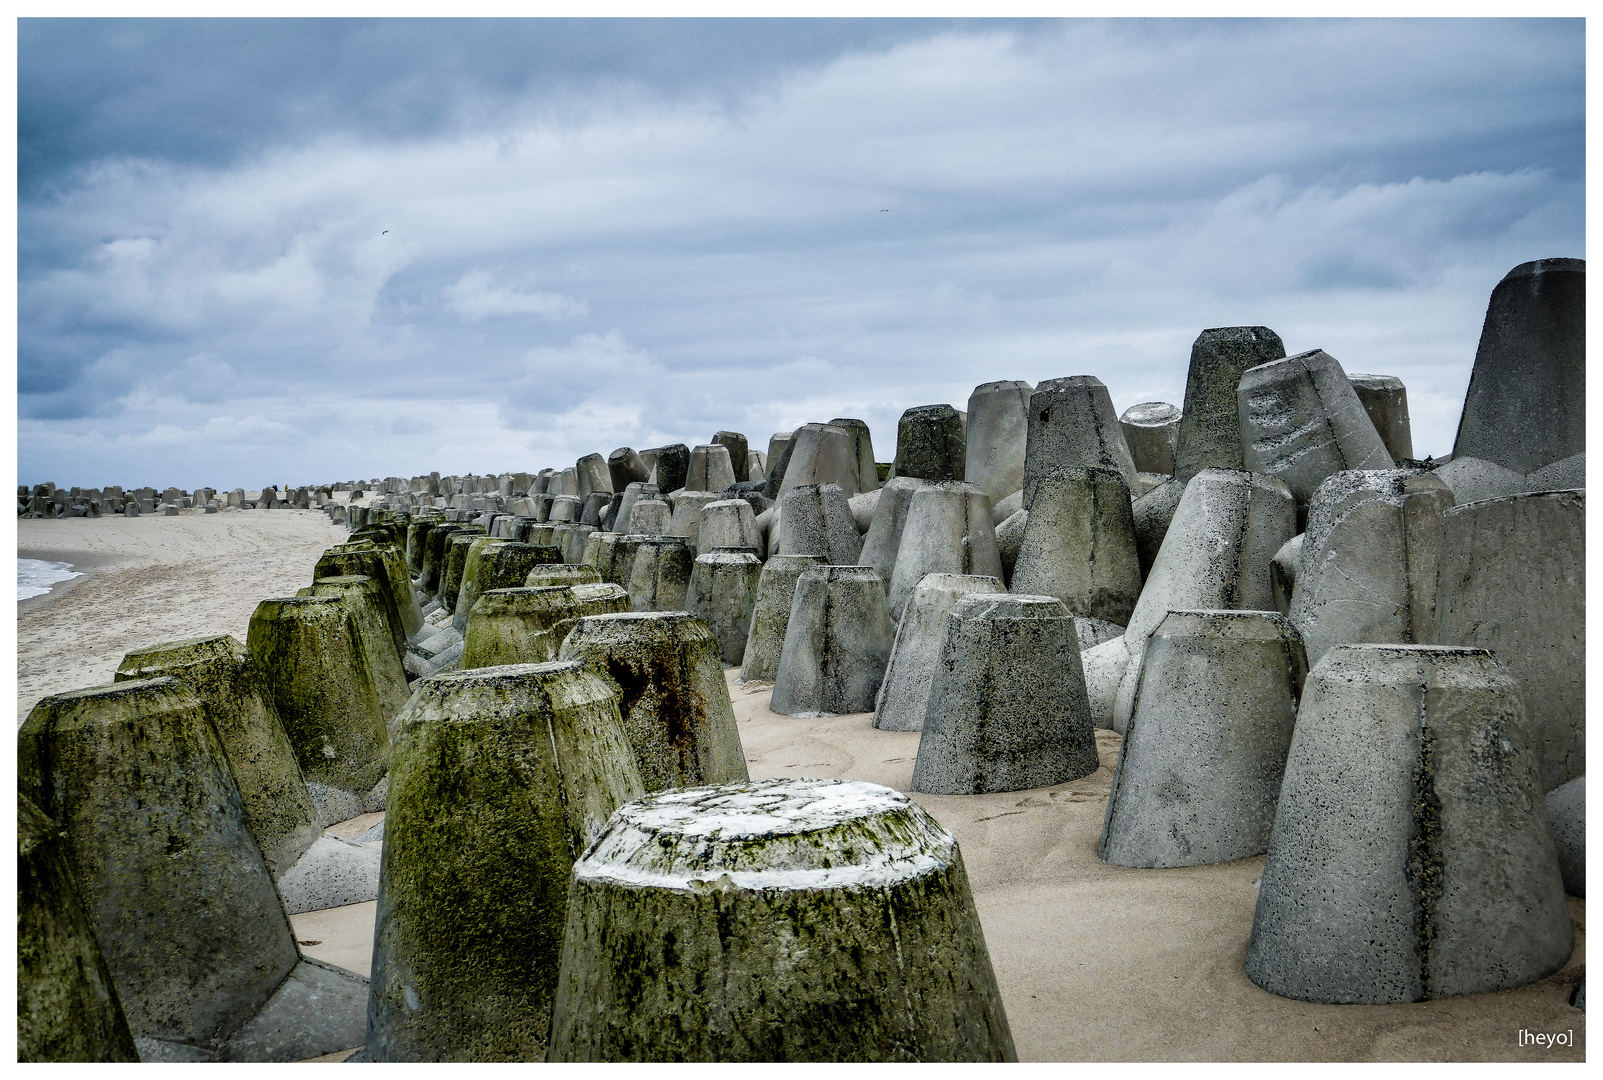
1095, 962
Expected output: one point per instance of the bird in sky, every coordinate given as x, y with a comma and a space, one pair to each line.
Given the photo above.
885, 211
386, 232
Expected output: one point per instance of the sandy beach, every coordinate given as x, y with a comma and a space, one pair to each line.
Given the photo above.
1095, 962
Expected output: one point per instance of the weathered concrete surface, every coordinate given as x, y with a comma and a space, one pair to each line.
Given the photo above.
674, 702
221, 673
67, 1005
884, 537
1411, 857
670, 466
814, 519
318, 1009
910, 673
930, 444
1152, 513
1367, 566
1513, 580
1007, 708
651, 517
1010, 541
364, 561
727, 523
995, 436
1150, 431
837, 643
712, 468
395, 574
1079, 544
770, 616
625, 467
1385, 399
182, 904
559, 574
434, 555
1200, 767
861, 449
1474, 480
1283, 569
1562, 475
1210, 425
498, 564
686, 519
820, 920
362, 597
454, 557
722, 593
310, 652
949, 530
659, 577
815, 454
739, 449
631, 495
526, 626
334, 872
1526, 403
1566, 814
1072, 424
501, 775
1301, 421
593, 476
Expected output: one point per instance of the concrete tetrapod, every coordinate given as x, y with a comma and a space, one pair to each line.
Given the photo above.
395, 574
1200, 767
650, 517
571, 543
837, 643
1385, 399
910, 673
670, 467
499, 565
686, 519
501, 775
1526, 403
1007, 708
625, 468
659, 577
559, 574
385, 665
1150, 431
1079, 544
1301, 421
814, 519
1411, 857
722, 593
67, 1006
310, 653
1566, 813
712, 469
884, 537
727, 523
221, 673
861, 444
631, 495
930, 444
365, 562
1366, 568
995, 436
455, 558
526, 626
182, 904
770, 615
1513, 579
434, 556
949, 530
675, 705
805, 920
1072, 423
738, 449
1009, 540
816, 454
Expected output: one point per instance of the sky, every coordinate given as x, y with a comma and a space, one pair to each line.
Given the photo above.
304, 251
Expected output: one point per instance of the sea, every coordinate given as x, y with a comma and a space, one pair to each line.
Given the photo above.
36, 576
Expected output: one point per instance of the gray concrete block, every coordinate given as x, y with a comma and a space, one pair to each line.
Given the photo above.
1474, 480
625, 467
1072, 425
883, 539
862, 507
910, 673
1385, 399
837, 643
770, 615
1010, 541
1150, 431
659, 577
711, 469
319, 1009
1007, 707
1411, 857
815, 454
1079, 544
1283, 570
1566, 814
527, 625
738, 449
949, 530
722, 593
1153, 513
930, 443
686, 518
1210, 424
670, 466
1563, 475
861, 449
650, 517
1203, 754
994, 438
814, 519
332, 873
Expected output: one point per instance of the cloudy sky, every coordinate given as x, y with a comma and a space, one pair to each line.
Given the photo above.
293, 251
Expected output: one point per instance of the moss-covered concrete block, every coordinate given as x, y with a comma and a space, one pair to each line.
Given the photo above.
455, 555
783, 920
659, 577
526, 626
223, 675
501, 777
393, 564
434, 555
559, 574
675, 703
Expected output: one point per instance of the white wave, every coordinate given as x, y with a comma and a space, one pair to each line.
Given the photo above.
35, 576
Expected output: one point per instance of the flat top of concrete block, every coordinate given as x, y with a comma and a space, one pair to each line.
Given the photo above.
1238, 333
1150, 414
729, 558
1002, 384
1237, 623
194, 650
1069, 382
1546, 266
503, 674
1375, 382
922, 410
725, 502
1006, 606
1570, 494
734, 835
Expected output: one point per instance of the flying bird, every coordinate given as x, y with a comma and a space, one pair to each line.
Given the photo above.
386, 232
884, 211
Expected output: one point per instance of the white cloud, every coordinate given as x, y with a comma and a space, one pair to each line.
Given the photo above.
474, 298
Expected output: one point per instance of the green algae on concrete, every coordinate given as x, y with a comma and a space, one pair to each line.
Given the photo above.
526, 626
434, 555
309, 650
723, 592
174, 884
500, 564
417, 538
221, 672
560, 574
782, 920
673, 698
364, 597
502, 776
465, 589
394, 572
67, 1007
455, 555
659, 576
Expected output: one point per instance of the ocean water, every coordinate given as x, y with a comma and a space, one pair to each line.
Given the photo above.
35, 576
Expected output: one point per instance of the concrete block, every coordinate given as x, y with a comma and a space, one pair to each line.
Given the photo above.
1301, 421
1563, 475
154, 832
631, 494
593, 476
1566, 814
1010, 540
1367, 566
930, 444
892, 937
1151, 430
910, 672
1283, 570
455, 556
570, 541
1079, 544
862, 507
1385, 399
770, 615
1411, 857
722, 593
686, 518
711, 469
1474, 480
625, 468
565, 508
836, 645
310, 653
674, 703
501, 775
1072, 424
1513, 580
497, 565
995, 435
814, 519
651, 517
67, 1004
736, 444
355, 558
319, 1009
1007, 708
1526, 404
816, 454
861, 445
558, 574
527, 625
434, 556
883, 539
594, 504
1200, 766
222, 674
949, 530
727, 523
333, 872
1210, 423
659, 576
363, 598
